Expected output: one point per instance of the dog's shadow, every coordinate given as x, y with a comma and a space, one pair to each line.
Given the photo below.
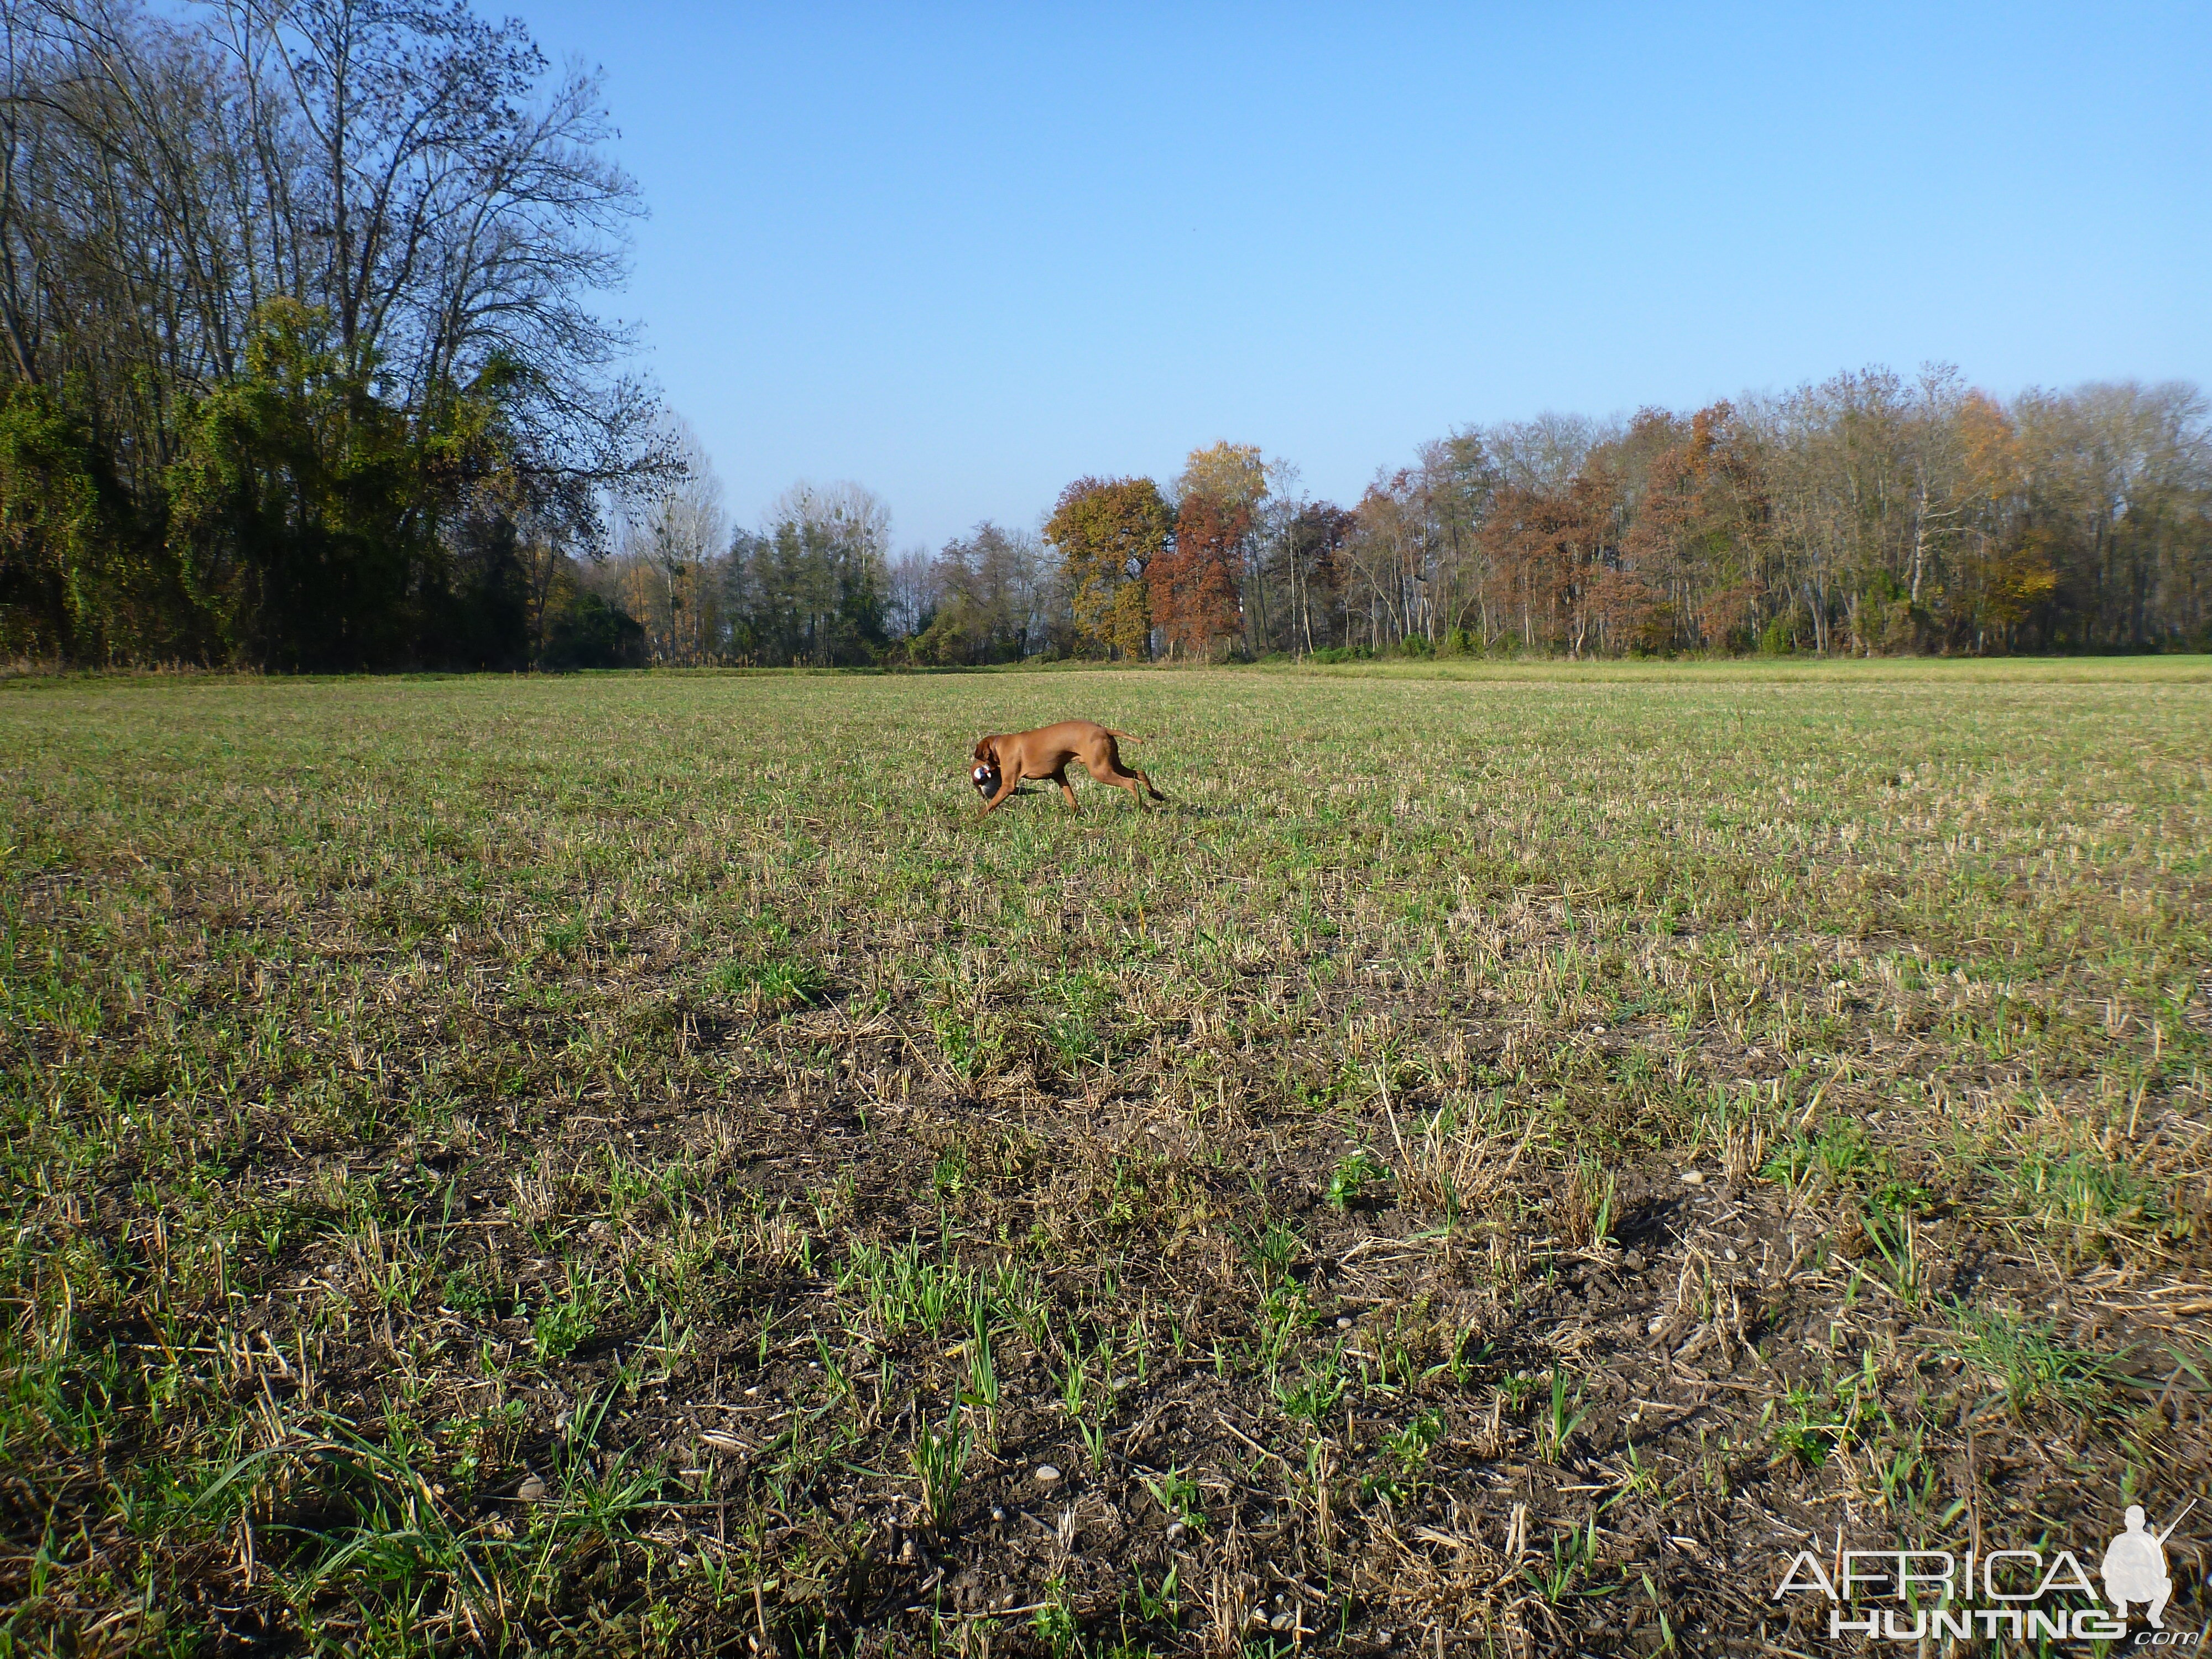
1177, 807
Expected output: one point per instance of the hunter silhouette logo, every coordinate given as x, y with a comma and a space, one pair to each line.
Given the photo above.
2135, 1566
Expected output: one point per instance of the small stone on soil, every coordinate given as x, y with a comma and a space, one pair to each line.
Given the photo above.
1693, 1177
1046, 1476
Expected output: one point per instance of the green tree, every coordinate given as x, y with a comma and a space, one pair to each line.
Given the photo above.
985, 607
81, 577
809, 589
307, 514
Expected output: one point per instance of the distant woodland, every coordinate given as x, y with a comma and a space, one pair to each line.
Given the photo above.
302, 370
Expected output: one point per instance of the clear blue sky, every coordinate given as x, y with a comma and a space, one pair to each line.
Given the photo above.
962, 255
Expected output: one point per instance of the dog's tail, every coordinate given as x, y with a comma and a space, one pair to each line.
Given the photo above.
1126, 737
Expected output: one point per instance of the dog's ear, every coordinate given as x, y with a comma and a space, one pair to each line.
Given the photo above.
983, 749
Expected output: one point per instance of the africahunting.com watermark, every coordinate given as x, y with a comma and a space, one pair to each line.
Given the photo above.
2022, 1594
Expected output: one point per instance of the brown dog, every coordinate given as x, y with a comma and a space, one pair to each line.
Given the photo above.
1005, 760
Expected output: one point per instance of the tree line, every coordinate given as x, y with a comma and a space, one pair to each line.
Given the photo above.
298, 370
1869, 515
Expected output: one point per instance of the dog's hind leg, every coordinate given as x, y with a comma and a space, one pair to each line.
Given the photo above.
1108, 768
1067, 789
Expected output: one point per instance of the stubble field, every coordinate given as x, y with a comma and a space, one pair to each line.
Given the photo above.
1499, 1164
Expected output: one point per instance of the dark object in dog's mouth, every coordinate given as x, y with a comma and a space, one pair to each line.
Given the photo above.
986, 779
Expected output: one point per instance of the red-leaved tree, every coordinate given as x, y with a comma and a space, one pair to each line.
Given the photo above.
1196, 585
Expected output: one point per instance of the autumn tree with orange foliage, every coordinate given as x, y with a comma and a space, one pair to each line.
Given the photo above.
1109, 533
1196, 584
1688, 541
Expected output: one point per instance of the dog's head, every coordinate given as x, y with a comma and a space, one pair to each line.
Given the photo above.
985, 777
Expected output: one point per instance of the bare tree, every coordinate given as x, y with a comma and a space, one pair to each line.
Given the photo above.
404, 165
667, 549
911, 591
